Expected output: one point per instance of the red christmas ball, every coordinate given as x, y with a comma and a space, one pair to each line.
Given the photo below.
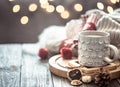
43, 53
66, 53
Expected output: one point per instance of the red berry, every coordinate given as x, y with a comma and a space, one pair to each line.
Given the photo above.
66, 53
92, 26
43, 53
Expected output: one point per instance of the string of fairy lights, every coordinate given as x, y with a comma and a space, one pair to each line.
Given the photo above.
48, 7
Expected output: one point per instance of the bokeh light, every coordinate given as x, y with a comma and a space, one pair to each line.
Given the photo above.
50, 8
65, 14
43, 1
60, 8
117, 0
24, 20
109, 9
100, 5
16, 8
45, 5
11, 0
78, 7
52, 5
32, 7
51, 0
113, 1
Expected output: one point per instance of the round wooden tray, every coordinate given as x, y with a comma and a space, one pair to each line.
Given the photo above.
60, 67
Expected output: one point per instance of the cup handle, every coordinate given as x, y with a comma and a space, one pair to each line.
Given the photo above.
116, 54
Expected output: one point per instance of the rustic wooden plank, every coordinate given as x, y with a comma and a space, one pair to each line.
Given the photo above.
60, 81
56, 68
118, 81
35, 72
115, 82
63, 82
10, 63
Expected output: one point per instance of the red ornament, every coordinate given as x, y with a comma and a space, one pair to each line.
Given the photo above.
66, 52
43, 53
90, 23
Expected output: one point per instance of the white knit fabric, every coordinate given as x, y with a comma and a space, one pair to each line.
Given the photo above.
52, 37
73, 27
109, 23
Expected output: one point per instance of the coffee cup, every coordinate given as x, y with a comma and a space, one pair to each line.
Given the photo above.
94, 49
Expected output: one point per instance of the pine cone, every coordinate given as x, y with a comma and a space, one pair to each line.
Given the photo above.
102, 78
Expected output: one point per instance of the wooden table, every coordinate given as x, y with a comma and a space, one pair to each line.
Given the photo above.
21, 67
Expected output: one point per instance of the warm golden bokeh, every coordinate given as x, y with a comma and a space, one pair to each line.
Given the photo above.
60, 8
11, 0
109, 9
78, 7
113, 1
50, 8
65, 14
24, 20
32, 7
43, 1
16, 8
100, 5
44, 5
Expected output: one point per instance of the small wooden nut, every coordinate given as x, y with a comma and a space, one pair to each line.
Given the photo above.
76, 82
74, 74
86, 79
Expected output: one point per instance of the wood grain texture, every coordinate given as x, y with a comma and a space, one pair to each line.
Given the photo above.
60, 67
118, 81
10, 63
35, 72
21, 67
60, 81
63, 82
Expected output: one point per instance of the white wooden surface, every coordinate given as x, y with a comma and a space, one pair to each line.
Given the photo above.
21, 67
10, 65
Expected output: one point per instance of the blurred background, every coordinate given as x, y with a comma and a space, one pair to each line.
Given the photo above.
21, 21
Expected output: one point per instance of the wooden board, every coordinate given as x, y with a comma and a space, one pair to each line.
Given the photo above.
34, 71
60, 67
21, 67
10, 65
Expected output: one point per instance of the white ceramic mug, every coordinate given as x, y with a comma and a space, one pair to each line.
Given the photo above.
94, 49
